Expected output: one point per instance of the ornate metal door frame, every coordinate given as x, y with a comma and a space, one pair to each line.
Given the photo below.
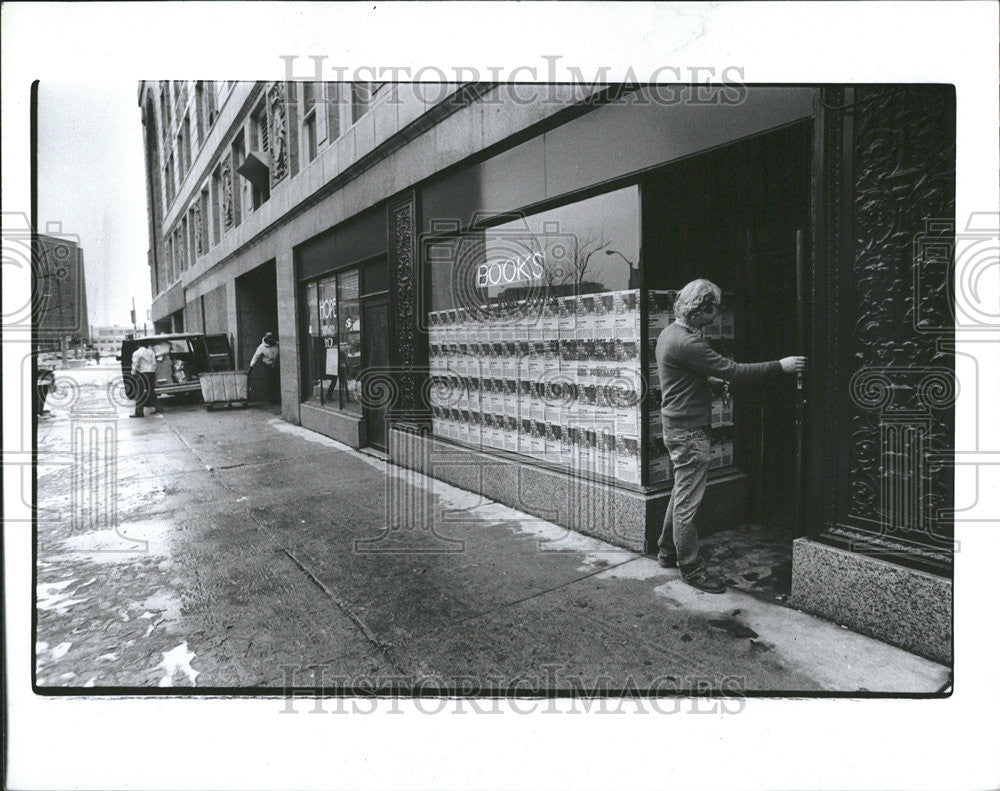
882, 380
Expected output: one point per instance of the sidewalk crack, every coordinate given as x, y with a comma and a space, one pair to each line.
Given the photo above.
383, 648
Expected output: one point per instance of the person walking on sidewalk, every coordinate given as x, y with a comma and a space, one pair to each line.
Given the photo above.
685, 362
144, 367
266, 381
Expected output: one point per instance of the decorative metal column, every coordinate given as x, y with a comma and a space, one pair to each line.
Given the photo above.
882, 376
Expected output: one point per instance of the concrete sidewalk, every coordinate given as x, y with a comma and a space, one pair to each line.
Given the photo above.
249, 550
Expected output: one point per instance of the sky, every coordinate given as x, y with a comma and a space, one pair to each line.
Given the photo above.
91, 180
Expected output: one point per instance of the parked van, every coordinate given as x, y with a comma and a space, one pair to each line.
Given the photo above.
180, 359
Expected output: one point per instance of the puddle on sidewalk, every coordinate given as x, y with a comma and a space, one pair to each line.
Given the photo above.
752, 558
121, 544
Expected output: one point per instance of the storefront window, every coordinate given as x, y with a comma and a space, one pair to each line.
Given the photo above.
326, 360
324, 356
332, 360
350, 340
534, 329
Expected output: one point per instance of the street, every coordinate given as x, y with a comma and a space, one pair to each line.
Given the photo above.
232, 550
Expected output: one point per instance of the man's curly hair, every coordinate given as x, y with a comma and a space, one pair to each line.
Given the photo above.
697, 295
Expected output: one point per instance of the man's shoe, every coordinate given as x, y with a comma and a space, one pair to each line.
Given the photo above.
704, 581
137, 416
667, 561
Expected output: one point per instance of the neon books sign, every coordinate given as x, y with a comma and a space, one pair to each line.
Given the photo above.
511, 270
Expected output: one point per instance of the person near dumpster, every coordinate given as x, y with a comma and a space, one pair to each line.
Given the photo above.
685, 363
144, 368
265, 383
43, 383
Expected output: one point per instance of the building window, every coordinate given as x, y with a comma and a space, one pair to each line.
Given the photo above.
333, 354
216, 202
333, 103
168, 180
309, 114
164, 113
210, 106
361, 95
167, 276
308, 96
260, 135
261, 132
181, 166
204, 91
180, 248
310, 130
193, 239
238, 198
199, 111
202, 217
186, 142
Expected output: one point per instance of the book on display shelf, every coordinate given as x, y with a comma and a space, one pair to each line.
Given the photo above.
475, 428
627, 462
567, 317
508, 359
509, 433
524, 436
585, 450
585, 317
510, 391
604, 315
536, 444
550, 319
605, 461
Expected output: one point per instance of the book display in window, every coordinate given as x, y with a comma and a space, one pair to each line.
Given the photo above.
558, 382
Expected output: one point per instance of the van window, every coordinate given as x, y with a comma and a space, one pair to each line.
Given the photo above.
217, 344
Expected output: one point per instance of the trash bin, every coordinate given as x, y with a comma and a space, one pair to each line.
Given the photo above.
223, 388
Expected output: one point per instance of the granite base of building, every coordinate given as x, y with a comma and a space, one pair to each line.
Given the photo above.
905, 607
598, 508
349, 429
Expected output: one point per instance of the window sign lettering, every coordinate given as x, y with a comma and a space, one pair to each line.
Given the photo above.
512, 270
587, 247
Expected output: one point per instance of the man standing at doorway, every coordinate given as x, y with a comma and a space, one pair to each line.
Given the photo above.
267, 378
685, 361
144, 367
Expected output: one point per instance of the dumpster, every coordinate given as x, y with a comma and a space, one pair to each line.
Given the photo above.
223, 388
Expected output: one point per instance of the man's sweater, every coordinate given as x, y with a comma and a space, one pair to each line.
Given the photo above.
684, 361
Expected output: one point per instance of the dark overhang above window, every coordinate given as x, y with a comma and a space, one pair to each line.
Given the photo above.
256, 169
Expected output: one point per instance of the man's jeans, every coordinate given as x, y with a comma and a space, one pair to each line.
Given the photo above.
689, 453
